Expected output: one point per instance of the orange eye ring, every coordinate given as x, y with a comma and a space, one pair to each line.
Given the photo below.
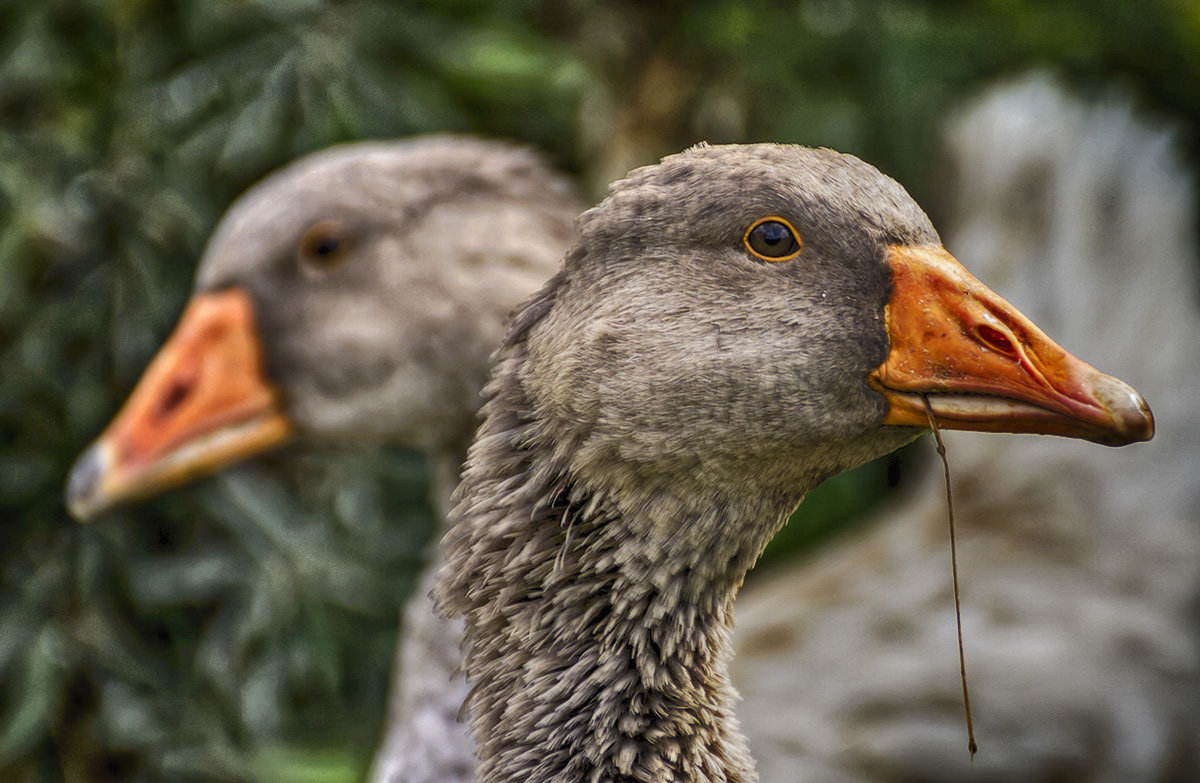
764, 239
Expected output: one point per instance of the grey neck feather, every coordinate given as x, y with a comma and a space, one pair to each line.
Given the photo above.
444, 467
617, 671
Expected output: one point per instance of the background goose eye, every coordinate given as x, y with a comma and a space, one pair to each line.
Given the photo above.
325, 244
772, 239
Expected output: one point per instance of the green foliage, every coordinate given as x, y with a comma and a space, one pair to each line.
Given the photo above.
238, 629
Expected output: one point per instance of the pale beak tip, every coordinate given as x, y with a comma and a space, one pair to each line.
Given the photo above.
83, 497
1133, 422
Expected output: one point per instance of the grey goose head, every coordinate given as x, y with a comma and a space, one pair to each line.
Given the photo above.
776, 313
353, 295
734, 325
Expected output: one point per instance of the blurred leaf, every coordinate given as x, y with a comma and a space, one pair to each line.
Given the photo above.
37, 688
285, 764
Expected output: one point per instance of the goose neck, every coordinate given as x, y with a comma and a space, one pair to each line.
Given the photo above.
602, 652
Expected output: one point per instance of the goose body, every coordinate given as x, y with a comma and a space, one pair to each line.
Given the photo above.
1079, 566
350, 298
733, 326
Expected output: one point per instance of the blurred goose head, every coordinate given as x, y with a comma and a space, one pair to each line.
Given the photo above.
354, 295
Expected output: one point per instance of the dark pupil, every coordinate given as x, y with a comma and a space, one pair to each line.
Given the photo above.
326, 245
772, 239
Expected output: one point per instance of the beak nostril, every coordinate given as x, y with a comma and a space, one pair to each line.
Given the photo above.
179, 390
995, 339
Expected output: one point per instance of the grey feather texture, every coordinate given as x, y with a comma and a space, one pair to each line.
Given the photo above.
1080, 567
654, 415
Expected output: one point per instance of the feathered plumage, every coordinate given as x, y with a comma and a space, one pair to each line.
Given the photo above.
655, 413
1080, 567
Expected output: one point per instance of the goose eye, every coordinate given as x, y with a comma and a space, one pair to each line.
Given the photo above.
772, 239
325, 245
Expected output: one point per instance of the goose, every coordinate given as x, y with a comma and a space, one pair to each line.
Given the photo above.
1080, 568
352, 297
733, 325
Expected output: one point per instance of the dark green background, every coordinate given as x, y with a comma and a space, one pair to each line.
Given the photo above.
242, 629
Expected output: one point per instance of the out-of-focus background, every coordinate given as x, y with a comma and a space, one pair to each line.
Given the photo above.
242, 629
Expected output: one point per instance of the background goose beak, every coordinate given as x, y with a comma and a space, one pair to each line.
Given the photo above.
202, 404
984, 366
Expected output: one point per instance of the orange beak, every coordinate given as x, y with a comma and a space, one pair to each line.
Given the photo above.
202, 404
983, 366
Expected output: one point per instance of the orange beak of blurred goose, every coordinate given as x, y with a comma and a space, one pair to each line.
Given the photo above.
202, 404
983, 366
